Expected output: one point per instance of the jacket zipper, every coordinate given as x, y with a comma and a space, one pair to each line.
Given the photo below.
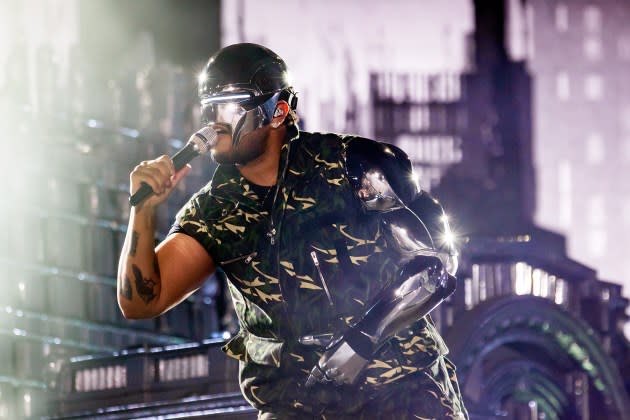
321, 277
271, 233
247, 257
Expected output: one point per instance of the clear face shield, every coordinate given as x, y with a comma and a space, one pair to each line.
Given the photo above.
242, 110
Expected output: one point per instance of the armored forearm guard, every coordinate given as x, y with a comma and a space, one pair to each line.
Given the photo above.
421, 286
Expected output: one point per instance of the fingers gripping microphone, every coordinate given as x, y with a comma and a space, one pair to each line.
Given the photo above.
198, 144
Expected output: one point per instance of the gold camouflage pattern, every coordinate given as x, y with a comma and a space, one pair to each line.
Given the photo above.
311, 266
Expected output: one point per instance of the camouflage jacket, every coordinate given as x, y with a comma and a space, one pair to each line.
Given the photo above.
312, 266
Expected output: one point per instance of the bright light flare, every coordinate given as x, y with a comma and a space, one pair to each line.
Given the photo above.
449, 237
202, 77
415, 178
223, 98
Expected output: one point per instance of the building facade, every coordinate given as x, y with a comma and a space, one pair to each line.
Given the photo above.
580, 54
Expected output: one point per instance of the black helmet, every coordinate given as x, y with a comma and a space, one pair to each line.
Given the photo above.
249, 66
250, 75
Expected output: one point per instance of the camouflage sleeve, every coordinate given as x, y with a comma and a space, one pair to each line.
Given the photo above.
192, 220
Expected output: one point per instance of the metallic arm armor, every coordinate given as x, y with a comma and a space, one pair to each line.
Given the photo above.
417, 229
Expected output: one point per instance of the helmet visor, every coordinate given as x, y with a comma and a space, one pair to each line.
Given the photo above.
230, 106
223, 113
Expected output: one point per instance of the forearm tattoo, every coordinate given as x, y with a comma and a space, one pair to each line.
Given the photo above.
126, 290
134, 243
146, 288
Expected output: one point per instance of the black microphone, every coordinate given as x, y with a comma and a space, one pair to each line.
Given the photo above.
199, 143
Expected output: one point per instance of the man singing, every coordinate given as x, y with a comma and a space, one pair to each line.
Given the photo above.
333, 255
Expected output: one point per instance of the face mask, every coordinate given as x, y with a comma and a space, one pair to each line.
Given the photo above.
241, 110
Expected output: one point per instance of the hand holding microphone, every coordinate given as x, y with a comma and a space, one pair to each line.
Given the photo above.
161, 175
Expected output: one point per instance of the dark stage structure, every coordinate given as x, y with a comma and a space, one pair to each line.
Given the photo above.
533, 333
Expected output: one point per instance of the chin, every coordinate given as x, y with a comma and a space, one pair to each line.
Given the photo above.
221, 158
222, 154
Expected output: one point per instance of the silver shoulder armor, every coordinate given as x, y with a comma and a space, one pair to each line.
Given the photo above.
383, 181
381, 175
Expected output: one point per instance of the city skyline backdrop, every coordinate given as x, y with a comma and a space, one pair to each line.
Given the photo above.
578, 54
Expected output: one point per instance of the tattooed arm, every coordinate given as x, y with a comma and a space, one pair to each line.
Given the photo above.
153, 279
